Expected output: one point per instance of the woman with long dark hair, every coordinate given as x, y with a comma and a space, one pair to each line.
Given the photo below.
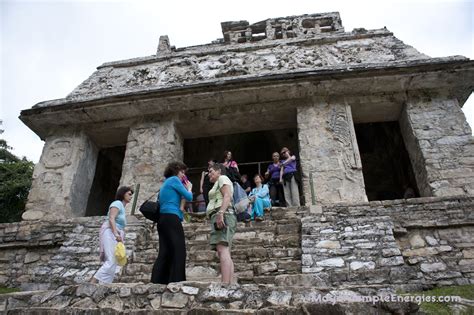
170, 266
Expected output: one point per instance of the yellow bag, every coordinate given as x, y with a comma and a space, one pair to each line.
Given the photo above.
120, 254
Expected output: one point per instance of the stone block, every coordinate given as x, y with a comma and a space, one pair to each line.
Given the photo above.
331, 262
112, 302
464, 262
362, 265
198, 272
328, 244
190, 290
431, 240
432, 267
266, 268
389, 252
416, 241
156, 303
391, 261
174, 300
468, 253
280, 298
31, 257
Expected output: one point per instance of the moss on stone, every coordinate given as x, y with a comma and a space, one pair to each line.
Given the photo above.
8, 290
436, 308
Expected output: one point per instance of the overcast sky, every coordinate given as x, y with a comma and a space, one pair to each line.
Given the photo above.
49, 47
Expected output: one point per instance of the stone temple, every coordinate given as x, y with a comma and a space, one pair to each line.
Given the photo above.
385, 154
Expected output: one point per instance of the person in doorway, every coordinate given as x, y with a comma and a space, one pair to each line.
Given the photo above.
259, 198
232, 169
245, 183
111, 233
287, 178
171, 262
273, 176
205, 184
223, 220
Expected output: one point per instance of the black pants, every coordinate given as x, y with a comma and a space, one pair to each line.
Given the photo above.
170, 266
276, 193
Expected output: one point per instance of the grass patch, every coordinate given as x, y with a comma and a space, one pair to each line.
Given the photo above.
8, 290
436, 308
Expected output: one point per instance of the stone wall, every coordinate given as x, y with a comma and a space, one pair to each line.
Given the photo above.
411, 244
440, 145
329, 154
62, 178
150, 147
45, 255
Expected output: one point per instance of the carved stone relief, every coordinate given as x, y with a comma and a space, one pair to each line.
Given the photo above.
58, 154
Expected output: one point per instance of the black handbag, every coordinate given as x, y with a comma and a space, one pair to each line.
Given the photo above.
150, 210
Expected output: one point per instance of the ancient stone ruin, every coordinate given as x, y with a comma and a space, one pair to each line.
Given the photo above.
385, 153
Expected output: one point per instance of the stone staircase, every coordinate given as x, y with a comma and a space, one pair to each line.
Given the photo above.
260, 251
267, 258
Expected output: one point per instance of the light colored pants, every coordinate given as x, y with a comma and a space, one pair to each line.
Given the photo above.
292, 195
258, 205
106, 272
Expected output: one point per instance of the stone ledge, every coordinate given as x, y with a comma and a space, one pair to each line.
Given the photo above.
184, 296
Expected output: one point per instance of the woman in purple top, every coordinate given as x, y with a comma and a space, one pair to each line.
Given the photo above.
287, 178
273, 176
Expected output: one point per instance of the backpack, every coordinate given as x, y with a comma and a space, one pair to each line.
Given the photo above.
240, 199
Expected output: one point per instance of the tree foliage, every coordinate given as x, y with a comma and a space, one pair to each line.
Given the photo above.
15, 183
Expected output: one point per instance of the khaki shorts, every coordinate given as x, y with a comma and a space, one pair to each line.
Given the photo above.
225, 235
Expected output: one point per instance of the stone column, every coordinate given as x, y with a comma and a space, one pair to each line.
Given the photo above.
329, 154
150, 147
440, 145
62, 178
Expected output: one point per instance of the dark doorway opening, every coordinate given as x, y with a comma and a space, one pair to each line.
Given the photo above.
252, 151
106, 180
388, 173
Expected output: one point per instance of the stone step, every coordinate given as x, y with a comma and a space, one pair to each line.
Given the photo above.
246, 252
200, 297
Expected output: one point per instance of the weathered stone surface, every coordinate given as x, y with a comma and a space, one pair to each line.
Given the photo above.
428, 268
174, 300
468, 253
64, 154
431, 240
280, 298
32, 215
266, 268
416, 241
357, 265
156, 303
146, 142
31, 257
326, 132
328, 244
190, 290
112, 302
332, 262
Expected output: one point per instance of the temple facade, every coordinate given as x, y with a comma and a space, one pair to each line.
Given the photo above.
385, 156
368, 117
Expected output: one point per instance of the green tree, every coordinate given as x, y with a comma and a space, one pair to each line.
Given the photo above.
15, 183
